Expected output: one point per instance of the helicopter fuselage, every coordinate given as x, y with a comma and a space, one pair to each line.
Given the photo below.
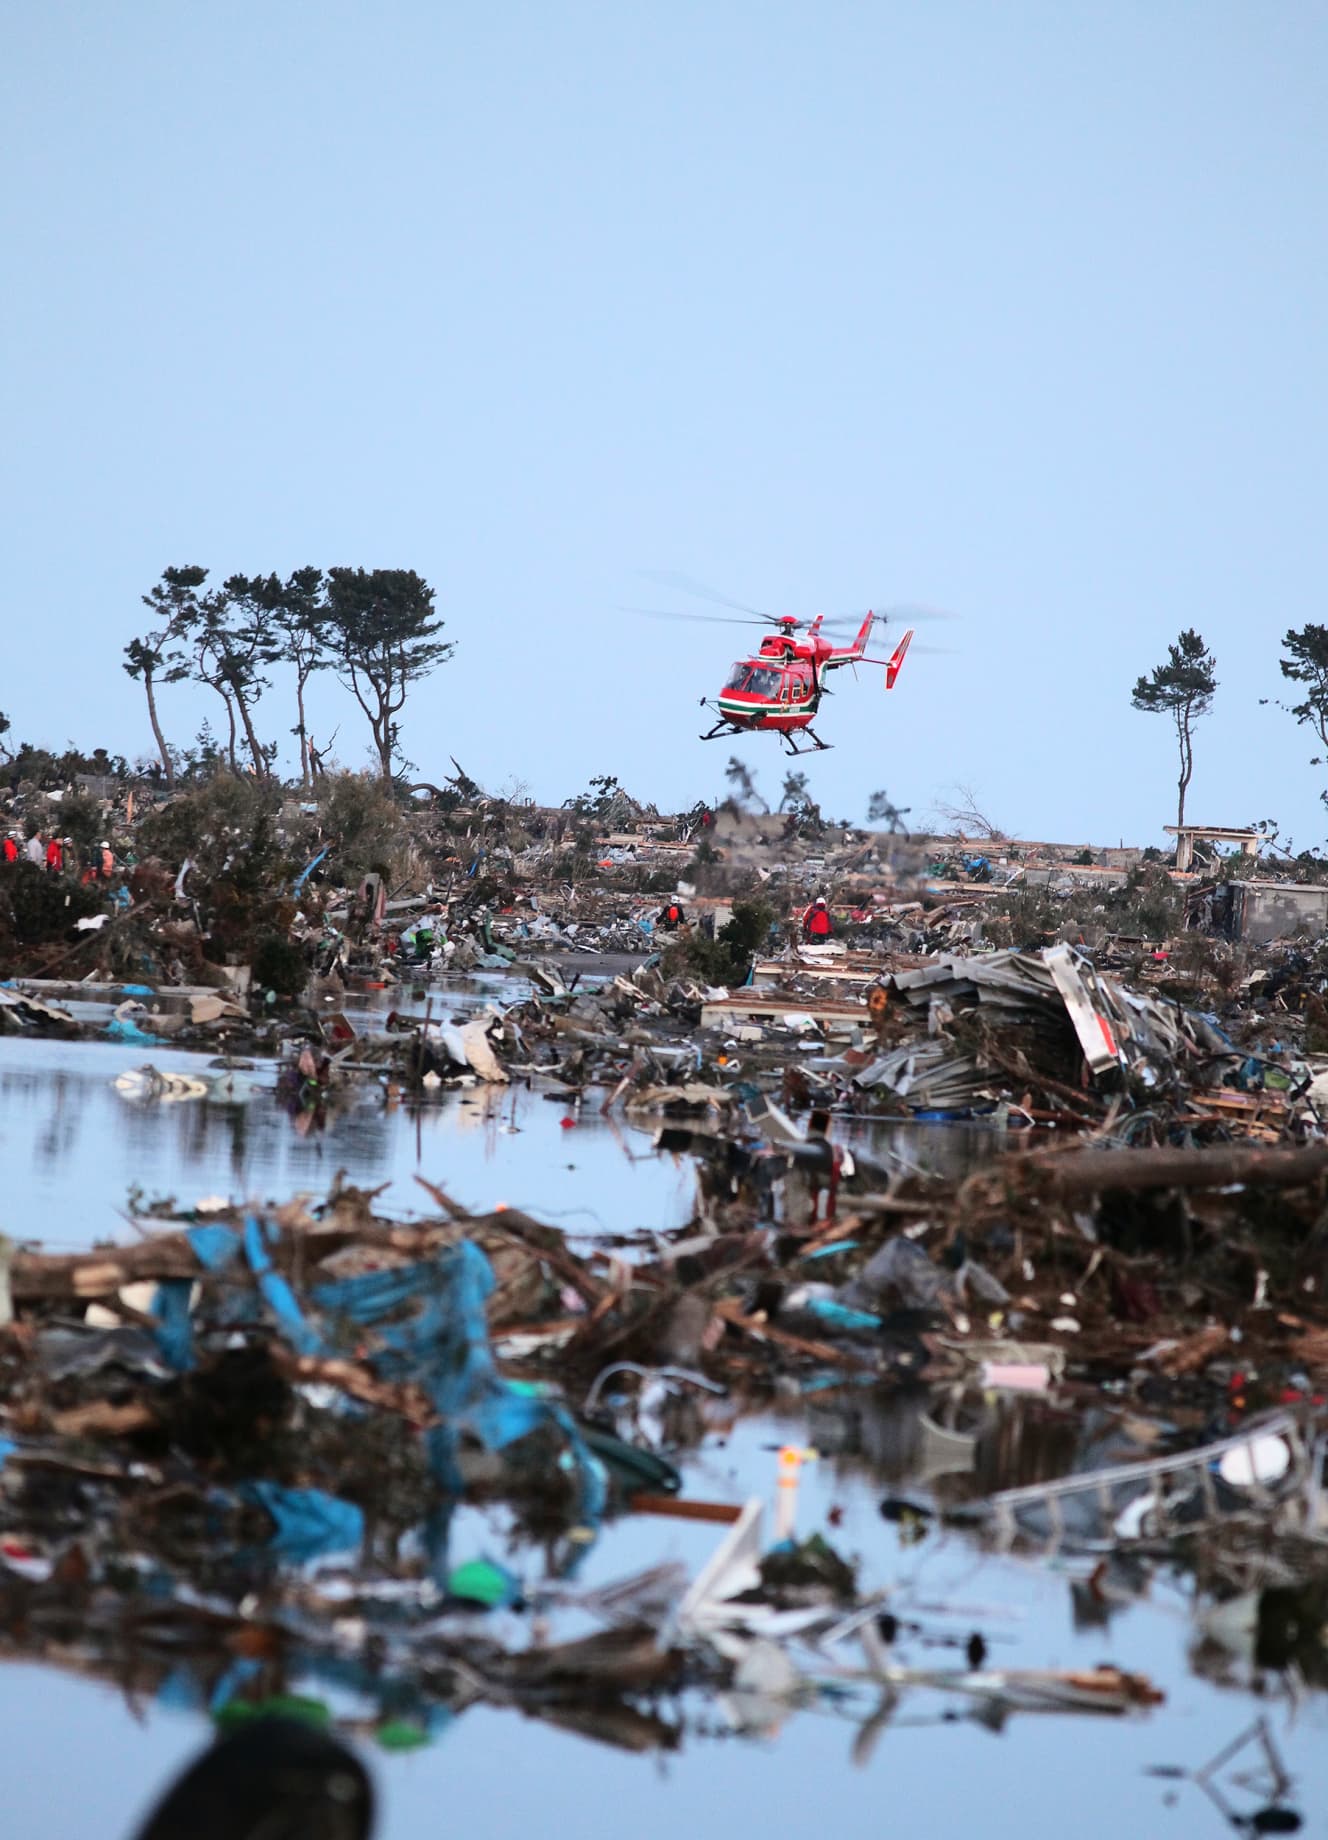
779, 687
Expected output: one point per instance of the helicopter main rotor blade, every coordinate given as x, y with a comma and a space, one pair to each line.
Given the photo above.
671, 578
704, 619
907, 614
914, 651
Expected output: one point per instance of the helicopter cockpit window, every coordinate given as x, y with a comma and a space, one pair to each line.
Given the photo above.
764, 683
738, 677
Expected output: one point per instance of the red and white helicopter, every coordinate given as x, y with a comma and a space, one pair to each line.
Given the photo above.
779, 687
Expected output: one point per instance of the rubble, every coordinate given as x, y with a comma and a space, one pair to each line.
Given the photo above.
254, 1434
296, 1405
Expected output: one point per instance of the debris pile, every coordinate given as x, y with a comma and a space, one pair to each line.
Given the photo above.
246, 1448
257, 1447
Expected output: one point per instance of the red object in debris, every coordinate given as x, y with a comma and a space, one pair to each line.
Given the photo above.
568, 1124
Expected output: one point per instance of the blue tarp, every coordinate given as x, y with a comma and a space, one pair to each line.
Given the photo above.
430, 1329
308, 1522
123, 1028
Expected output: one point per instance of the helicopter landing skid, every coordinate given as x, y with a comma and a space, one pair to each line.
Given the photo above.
725, 727
818, 746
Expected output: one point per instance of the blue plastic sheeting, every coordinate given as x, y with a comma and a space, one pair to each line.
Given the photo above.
7, 1449
137, 990
236, 1678
395, 1698
213, 1246
308, 1522
121, 1028
174, 1333
444, 1347
838, 1315
180, 1692
430, 1328
277, 1293
309, 868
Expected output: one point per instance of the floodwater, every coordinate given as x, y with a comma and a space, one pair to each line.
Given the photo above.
81, 1759
72, 1147
76, 1747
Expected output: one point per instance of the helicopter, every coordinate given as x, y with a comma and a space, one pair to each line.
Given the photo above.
778, 688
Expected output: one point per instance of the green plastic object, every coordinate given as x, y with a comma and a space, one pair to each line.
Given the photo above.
480, 1581
280, 1705
401, 1735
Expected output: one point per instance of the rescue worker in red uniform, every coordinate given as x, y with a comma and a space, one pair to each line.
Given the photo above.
672, 916
55, 856
816, 922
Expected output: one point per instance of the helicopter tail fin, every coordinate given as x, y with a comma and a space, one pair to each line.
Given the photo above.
864, 633
895, 662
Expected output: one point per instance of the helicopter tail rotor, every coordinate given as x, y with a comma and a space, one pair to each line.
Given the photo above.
895, 662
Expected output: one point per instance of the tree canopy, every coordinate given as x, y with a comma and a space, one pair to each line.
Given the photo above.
1183, 688
1306, 664
375, 627
382, 634
156, 657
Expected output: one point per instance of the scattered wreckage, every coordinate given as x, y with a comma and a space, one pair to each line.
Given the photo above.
240, 1452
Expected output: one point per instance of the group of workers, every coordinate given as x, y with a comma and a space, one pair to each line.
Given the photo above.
58, 856
817, 924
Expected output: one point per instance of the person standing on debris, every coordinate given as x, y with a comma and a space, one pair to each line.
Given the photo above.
816, 922
35, 849
106, 868
672, 916
11, 847
55, 856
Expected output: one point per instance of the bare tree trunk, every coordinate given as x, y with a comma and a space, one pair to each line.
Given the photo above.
230, 739
162, 749
260, 762
382, 730
300, 731
1186, 763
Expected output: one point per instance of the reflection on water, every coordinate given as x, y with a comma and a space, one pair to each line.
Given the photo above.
73, 1147
960, 1446
500, 1772
947, 1150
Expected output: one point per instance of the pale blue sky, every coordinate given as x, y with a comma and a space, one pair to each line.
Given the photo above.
1015, 309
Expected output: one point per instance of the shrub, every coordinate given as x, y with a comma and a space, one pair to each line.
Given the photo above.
726, 959
365, 825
